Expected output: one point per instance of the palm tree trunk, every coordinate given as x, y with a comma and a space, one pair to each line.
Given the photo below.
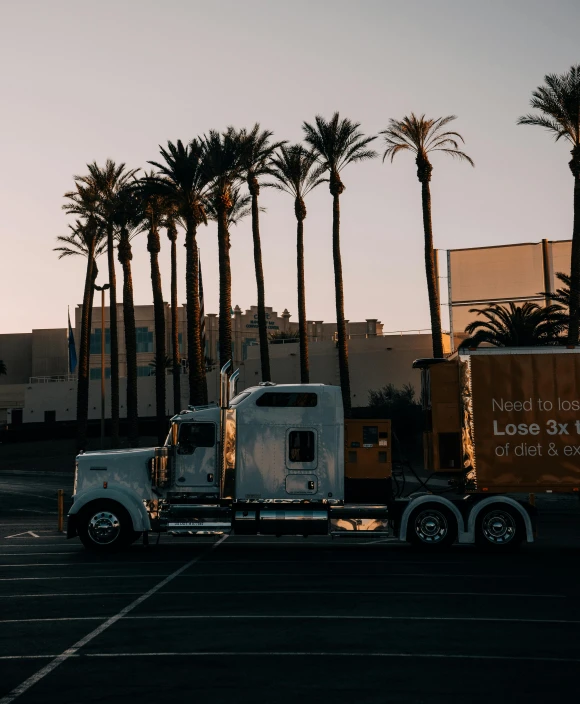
431, 271
197, 377
114, 339
340, 321
84, 354
176, 363
154, 246
125, 257
573, 327
302, 329
225, 323
262, 323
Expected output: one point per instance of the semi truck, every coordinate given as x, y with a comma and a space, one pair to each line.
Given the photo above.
500, 425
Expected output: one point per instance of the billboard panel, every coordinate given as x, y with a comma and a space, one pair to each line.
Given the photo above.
526, 415
485, 275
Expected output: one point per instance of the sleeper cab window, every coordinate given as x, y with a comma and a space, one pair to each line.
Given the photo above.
301, 446
192, 435
284, 399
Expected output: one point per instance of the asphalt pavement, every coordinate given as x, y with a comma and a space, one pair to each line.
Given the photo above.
240, 619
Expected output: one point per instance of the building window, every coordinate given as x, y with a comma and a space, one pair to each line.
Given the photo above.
280, 399
301, 445
144, 341
180, 345
145, 371
95, 344
95, 373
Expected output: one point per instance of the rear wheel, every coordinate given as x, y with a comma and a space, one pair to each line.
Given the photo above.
432, 526
499, 527
105, 526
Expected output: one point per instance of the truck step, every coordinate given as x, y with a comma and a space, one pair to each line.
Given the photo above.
186, 533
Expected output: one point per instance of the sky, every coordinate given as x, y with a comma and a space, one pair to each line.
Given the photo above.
84, 81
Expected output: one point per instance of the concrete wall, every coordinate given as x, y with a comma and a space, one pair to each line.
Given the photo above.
49, 352
374, 362
16, 353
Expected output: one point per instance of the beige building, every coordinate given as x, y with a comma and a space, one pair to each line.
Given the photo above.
39, 388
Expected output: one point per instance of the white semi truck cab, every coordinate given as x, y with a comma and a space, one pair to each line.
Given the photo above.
280, 459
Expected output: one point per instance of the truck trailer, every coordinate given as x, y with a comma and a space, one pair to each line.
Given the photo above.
280, 459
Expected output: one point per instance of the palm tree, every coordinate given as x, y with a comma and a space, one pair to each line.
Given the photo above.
128, 219
561, 295
155, 207
176, 357
86, 239
338, 143
422, 136
297, 172
3, 370
185, 183
222, 169
558, 101
108, 180
256, 152
526, 325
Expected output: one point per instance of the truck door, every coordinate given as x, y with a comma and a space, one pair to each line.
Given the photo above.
196, 460
301, 461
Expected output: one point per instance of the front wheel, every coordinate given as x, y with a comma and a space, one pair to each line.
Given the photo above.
432, 526
499, 527
105, 526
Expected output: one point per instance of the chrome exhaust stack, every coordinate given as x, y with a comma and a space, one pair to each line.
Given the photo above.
233, 385
224, 397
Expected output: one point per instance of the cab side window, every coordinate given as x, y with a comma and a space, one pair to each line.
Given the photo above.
192, 435
301, 446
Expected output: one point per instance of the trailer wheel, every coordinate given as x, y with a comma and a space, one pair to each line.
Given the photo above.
432, 526
105, 526
499, 527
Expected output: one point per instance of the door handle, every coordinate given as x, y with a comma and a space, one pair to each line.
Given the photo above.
311, 485
210, 477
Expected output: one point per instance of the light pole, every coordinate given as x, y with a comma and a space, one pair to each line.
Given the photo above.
102, 289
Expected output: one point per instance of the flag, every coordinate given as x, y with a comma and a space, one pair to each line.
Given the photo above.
201, 309
72, 352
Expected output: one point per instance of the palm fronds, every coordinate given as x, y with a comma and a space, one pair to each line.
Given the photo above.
558, 101
512, 325
421, 136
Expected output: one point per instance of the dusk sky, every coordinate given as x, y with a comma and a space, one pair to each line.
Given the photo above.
84, 82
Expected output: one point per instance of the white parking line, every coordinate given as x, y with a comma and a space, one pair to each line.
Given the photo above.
25, 493
47, 669
92, 564
282, 654
430, 575
298, 592
298, 617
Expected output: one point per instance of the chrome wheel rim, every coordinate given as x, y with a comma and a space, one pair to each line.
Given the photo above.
104, 528
431, 526
498, 527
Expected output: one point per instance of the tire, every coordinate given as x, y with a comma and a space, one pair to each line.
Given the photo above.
105, 526
499, 527
432, 527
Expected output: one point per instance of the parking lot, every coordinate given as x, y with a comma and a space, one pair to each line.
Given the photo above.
261, 619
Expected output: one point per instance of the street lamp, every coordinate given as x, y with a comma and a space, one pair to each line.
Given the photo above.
102, 289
